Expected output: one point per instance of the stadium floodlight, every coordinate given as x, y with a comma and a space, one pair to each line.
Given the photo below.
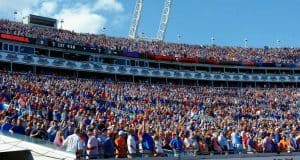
103, 29
15, 14
178, 38
61, 23
143, 35
245, 42
278, 43
163, 21
212, 40
135, 19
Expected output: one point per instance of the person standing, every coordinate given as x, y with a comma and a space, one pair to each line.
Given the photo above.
59, 139
92, 145
121, 146
108, 144
176, 144
159, 152
131, 144
74, 144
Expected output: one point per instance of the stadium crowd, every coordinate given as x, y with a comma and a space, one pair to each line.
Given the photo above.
219, 53
110, 119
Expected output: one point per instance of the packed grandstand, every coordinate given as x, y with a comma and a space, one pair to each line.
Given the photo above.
137, 117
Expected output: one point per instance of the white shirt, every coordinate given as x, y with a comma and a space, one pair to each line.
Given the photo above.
158, 146
187, 142
92, 142
131, 144
73, 143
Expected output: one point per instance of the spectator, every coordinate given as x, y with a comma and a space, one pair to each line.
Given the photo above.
121, 146
59, 139
159, 152
108, 144
203, 147
74, 144
195, 144
6, 126
283, 144
267, 143
250, 144
131, 144
216, 146
28, 129
293, 142
146, 139
92, 145
176, 144
236, 141
39, 132
222, 140
18, 128
52, 131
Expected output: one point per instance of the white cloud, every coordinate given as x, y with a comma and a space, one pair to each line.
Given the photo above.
108, 5
17, 4
7, 7
79, 15
81, 19
48, 7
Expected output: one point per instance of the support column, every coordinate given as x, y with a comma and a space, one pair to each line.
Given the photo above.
34, 70
11, 67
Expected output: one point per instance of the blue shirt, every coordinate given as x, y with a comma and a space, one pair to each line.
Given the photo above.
6, 127
277, 137
147, 142
18, 129
52, 135
236, 138
108, 146
176, 143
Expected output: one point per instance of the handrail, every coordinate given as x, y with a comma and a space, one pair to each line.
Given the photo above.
185, 153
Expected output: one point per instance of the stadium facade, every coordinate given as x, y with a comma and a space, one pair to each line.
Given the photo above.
36, 55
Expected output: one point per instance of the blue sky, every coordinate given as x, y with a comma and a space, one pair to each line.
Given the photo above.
262, 22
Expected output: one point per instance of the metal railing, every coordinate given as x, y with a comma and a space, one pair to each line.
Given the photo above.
190, 154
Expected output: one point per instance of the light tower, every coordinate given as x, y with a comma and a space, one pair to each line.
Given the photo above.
212, 40
278, 43
135, 19
162, 25
164, 20
178, 38
245, 43
61, 23
15, 14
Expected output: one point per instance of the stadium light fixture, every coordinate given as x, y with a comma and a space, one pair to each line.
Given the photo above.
15, 14
212, 40
245, 42
160, 35
178, 38
103, 29
143, 35
278, 43
61, 23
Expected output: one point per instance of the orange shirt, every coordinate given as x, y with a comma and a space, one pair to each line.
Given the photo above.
283, 144
121, 147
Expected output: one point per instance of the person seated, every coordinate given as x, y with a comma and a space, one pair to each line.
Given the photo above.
18, 128
39, 132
